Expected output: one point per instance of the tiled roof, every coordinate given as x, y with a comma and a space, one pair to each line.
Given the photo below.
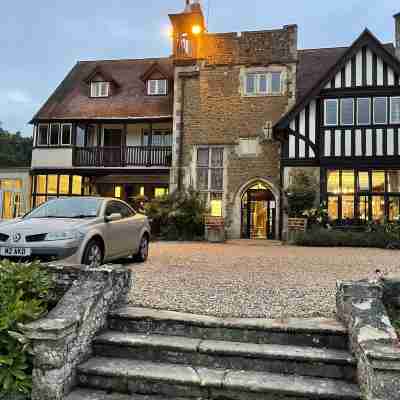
71, 99
315, 63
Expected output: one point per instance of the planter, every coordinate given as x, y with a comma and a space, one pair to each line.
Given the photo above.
214, 229
296, 225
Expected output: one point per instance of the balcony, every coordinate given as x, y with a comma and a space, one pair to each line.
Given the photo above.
129, 156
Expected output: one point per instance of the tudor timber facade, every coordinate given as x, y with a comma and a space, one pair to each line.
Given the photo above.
345, 130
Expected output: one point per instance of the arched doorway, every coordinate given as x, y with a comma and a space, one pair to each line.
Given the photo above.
258, 213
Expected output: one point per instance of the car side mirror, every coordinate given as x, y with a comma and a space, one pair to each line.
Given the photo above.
113, 217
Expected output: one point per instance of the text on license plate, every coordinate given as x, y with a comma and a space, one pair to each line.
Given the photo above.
15, 252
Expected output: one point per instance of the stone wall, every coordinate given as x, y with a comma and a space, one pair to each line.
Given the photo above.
63, 339
212, 109
373, 339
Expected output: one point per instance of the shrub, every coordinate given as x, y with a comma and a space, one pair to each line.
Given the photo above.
24, 297
301, 193
178, 216
347, 238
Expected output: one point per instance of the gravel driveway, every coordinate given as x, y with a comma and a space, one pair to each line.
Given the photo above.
250, 278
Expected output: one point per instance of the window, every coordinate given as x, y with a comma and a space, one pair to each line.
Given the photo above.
331, 112
395, 110
380, 110
347, 182
363, 181
115, 207
333, 207
276, 82
99, 89
393, 181
394, 208
160, 138
378, 208
347, 111
52, 182
43, 135
333, 182
248, 146
66, 130
54, 134
363, 111
378, 181
263, 83
160, 192
210, 175
64, 184
157, 87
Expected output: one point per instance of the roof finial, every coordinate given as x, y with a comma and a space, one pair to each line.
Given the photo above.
187, 6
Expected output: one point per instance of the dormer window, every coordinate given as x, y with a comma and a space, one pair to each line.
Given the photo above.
157, 87
99, 89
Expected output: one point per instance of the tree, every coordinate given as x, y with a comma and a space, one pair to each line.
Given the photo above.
301, 193
15, 150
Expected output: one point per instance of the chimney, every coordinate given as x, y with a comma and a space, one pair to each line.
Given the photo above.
397, 37
187, 7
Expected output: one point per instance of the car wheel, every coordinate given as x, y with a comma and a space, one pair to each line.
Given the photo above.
93, 255
143, 252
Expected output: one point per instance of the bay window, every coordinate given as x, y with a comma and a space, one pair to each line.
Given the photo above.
356, 195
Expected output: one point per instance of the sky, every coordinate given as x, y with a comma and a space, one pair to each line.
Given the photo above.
41, 40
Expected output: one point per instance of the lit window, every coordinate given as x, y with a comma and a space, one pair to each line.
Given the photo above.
363, 111
118, 191
54, 134
160, 192
395, 110
363, 181
64, 184
99, 89
346, 111
347, 182
43, 135
378, 208
66, 134
52, 184
394, 208
363, 208
216, 204
41, 184
378, 181
347, 207
333, 210
248, 146
157, 87
380, 110
141, 191
77, 185
331, 112
333, 182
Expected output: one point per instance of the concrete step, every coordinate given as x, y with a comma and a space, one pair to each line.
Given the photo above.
301, 360
144, 377
89, 394
317, 332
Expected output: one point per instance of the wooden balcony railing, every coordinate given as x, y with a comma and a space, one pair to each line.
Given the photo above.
130, 156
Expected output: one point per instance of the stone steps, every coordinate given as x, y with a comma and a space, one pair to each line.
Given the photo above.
89, 394
301, 360
128, 376
318, 332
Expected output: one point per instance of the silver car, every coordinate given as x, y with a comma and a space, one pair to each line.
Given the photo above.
77, 230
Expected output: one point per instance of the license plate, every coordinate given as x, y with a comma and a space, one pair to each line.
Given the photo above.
15, 252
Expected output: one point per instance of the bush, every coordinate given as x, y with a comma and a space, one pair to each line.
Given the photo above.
347, 238
178, 216
301, 193
24, 297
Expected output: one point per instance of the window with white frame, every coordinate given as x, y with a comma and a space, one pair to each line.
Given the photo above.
66, 134
380, 110
395, 110
99, 89
54, 135
363, 111
248, 146
331, 112
263, 83
157, 87
42, 135
210, 176
347, 111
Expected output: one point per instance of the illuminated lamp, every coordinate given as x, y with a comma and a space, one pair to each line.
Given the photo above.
196, 29
117, 194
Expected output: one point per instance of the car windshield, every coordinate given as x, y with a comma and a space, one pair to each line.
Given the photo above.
67, 208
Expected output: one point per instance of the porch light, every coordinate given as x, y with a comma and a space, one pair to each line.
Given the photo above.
196, 29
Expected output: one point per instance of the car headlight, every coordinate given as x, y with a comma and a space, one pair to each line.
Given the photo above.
64, 235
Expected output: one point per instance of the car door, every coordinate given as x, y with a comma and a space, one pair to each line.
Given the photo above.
115, 231
132, 228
